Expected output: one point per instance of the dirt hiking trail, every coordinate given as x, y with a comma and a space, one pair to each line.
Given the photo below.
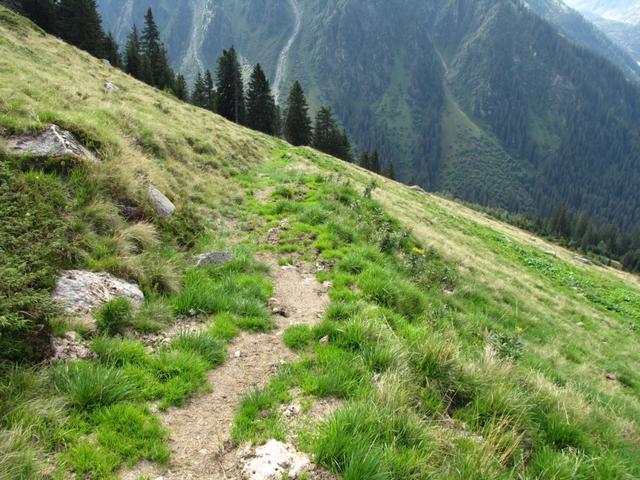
200, 431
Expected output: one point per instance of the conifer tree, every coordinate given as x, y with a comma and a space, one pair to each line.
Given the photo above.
375, 162
297, 124
157, 70
326, 136
132, 57
365, 160
261, 107
229, 87
390, 171
79, 24
209, 92
111, 51
181, 90
43, 13
344, 152
199, 96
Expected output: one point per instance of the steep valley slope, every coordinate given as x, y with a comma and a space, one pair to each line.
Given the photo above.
452, 345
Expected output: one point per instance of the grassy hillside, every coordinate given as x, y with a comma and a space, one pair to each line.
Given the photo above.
458, 347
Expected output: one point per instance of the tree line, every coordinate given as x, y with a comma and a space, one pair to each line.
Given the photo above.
258, 110
145, 57
579, 232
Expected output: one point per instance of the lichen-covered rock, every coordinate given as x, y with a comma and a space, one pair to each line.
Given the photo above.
53, 142
82, 292
213, 258
160, 203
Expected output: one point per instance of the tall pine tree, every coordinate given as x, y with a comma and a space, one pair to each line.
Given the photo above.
79, 24
155, 64
199, 95
229, 87
261, 107
132, 56
328, 138
297, 124
209, 92
111, 50
43, 13
374, 164
181, 90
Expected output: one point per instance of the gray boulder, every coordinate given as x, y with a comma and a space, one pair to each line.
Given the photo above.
160, 203
53, 142
82, 292
212, 259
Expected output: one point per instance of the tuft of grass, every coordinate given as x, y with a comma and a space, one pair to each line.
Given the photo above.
86, 385
114, 316
388, 289
204, 344
132, 433
116, 352
179, 374
220, 291
298, 337
153, 316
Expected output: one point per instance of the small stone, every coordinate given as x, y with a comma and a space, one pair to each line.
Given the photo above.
192, 312
324, 340
160, 203
237, 354
213, 258
111, 86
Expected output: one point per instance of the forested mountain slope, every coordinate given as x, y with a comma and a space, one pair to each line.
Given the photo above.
433, 342
620, 20
481, 99
581, 31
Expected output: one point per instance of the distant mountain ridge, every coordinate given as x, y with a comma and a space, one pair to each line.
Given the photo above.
619, 19
479, 98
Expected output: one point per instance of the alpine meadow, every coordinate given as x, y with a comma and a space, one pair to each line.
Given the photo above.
294, 239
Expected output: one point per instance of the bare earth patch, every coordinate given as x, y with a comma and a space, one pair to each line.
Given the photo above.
200, 432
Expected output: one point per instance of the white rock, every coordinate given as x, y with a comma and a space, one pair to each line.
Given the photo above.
274, 460
53, 142
160, 203
111, 86
81, 292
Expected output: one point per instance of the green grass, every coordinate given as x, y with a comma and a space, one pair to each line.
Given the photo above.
456, 347
435, 369
114, 316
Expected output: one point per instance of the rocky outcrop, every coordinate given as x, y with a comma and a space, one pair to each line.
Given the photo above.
212, 259
53, 142
82, 292
160, 203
